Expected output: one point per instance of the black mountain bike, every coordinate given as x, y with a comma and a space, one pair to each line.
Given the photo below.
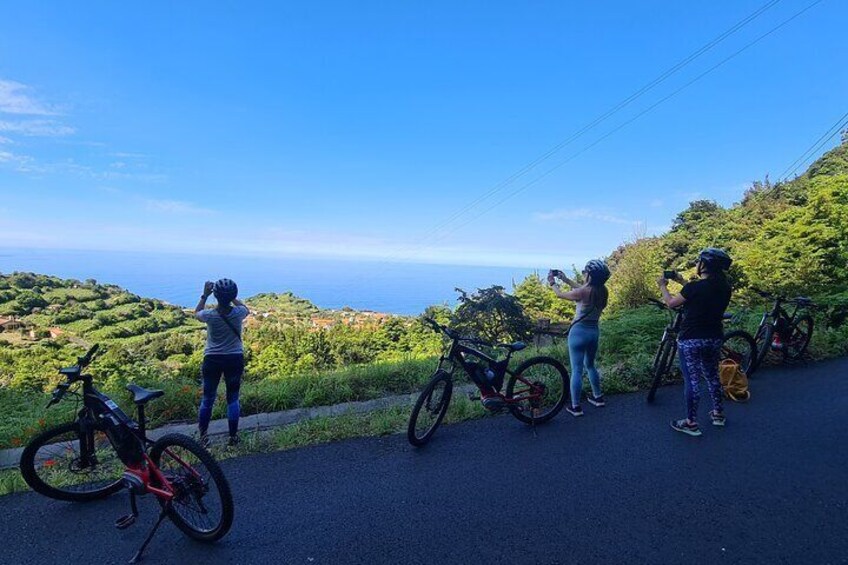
535, 391
103, 451
737, 345
779, 330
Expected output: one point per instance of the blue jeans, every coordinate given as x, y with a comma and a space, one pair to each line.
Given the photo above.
232, 368
699, 359
582, 350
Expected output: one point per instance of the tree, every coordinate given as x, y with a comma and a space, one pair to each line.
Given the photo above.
492, 315
27, 300
539, 300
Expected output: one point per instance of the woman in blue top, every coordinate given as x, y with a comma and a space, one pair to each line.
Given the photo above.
224, 354
583, 337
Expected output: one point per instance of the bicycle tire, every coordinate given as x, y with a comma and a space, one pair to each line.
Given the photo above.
187, 486
791, 352
441, 409
762, 339
37, 471
560, 402
662, 363
750, 366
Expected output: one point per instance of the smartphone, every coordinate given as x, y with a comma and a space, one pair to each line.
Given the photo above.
670, 275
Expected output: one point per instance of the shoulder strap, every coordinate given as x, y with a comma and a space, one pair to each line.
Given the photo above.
580, 319
230, 325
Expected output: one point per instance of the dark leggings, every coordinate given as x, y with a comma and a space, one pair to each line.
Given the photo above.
699, 359
232, 368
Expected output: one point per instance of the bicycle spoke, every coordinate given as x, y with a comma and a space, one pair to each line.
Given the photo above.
196, 500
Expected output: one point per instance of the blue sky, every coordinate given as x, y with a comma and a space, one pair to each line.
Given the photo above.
352, 130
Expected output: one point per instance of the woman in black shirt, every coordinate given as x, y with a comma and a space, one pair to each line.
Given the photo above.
704, 302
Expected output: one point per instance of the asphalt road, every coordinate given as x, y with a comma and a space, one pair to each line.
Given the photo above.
616, 486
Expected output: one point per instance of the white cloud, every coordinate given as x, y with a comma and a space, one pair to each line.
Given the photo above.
5, 140
177, 207
582, 214
20, 163
36, 128
15, 99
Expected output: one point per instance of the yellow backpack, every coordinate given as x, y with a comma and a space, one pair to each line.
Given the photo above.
734, 381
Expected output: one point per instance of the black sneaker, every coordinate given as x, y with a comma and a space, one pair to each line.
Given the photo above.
575, 411
685, 427
493, 402
233, 441
204, 440
718, 418
598, 401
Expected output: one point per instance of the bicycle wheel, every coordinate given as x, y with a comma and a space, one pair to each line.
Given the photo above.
203, 504
429, 409
538, 390
800, 333
53, 465
762, 340
662, 363
739, 346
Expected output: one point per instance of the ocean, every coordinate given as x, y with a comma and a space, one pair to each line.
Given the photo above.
397, 288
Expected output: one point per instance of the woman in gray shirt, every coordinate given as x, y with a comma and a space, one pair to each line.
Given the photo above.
224, 354
591, 299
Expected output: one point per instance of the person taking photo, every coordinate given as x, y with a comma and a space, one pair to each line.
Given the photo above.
224, 354
699, 342
584, 334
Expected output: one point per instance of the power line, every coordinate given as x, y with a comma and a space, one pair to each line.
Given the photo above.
815, 147
603, 117
634, 118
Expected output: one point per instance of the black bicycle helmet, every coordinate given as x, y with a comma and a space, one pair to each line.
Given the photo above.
599, 271
715, 258
225, 290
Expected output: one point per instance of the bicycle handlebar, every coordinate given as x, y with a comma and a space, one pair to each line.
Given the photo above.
58, 394
799, 300
437, 327
86, 359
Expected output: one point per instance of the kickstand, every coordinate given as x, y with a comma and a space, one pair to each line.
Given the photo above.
533, 421
137, 557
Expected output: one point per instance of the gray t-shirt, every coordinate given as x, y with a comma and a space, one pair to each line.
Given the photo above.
220, 339
587, 315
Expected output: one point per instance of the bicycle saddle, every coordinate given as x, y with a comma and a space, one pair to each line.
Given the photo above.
517, 346
142, 395
728, 316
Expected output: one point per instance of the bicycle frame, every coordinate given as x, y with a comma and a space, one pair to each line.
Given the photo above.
777, 313
150, 478
456, 355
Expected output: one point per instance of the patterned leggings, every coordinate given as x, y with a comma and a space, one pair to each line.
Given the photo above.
699, 358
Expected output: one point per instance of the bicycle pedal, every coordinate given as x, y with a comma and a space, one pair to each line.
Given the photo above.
125, 522
472, 397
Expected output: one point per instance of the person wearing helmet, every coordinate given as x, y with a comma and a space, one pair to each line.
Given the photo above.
699, 341
591, 298
224, 353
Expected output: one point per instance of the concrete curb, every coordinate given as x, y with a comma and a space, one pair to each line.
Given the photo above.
9, 458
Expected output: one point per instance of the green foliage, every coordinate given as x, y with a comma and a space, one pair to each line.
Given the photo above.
492, 315
635, 268
540, 302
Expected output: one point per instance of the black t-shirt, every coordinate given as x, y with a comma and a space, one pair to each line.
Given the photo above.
703, 311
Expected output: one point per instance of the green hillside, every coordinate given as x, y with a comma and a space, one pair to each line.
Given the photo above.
789, 237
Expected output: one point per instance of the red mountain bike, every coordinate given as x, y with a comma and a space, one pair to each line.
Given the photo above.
535, 391
103, 451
